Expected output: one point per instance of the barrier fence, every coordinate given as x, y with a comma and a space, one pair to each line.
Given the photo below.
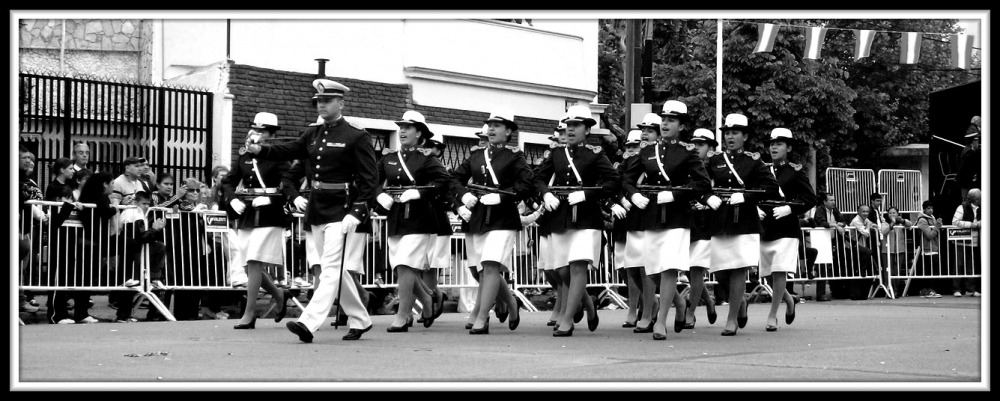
199, 252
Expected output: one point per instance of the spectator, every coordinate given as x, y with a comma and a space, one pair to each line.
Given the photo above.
930, 239
81, 178
146, 177
215, 194
967, 254
98, 223
865, 239
877, 217
895, 231
30, 228
131, 239
164, 195
81, 157
809, 258
970, 160
65, 256
63, 171
827, 215
128, 182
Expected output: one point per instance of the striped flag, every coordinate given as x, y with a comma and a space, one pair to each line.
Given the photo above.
765, 37
961, 51
814, 42
909, 47
863, 45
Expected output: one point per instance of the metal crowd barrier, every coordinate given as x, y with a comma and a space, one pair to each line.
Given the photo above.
952, 254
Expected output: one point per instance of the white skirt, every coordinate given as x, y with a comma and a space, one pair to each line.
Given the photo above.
312, 257
491, 246
701, 253
619, 254
545, 253
634, 249
780, 255
439, 256
410, 250
262, 244
667, 250
576, 245
735, 251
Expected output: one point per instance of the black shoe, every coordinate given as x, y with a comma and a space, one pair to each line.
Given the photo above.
502, 317
729, 333
679, 325
300, 330
355, 334
691, 326
484, 330
742, 321
592, 323
659, 337
559, 333
285, 295
642, 330
712, 316
553, 323
251, 325
468, 326
409, 322
401, 329
440, 308
790, 318
578, 316
771, 328
627, 325
514, 322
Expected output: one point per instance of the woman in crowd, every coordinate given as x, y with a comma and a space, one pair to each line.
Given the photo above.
99, 232
62, 168
895, 232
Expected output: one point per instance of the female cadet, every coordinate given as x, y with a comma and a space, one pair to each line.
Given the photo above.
779, 246
558, 139
619, 230
701, 238
438, 255
412, 225
260, 226
493, 218
586, 177
669, 163
736, 225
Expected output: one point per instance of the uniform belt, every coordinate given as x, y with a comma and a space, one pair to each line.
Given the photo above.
329, 185
261, 191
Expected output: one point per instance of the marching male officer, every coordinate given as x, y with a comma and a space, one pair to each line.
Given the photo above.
340, 161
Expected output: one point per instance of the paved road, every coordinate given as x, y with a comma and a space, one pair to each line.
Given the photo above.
910, 341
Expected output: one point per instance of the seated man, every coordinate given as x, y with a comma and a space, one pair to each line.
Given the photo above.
132, 238
865, 239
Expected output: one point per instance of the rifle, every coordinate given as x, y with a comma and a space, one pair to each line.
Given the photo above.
247, 196
653, 190
480, 190
726, 193
562, 193
776, 203
396, 191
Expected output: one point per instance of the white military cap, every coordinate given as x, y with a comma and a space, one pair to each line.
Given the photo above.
674, 108
327, 89
579, 113
650, 120
634, 137
265, 121
415, 118
704, 135
735, 121
782, 134
503, 115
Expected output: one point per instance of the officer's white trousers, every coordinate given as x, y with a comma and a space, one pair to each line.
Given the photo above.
329, 243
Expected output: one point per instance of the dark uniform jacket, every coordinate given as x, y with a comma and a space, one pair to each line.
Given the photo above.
442, 201
755, 176
271, 171
337, 152
427, 170
596, 171
681, 163
701, 216
633, 218
513, 174
795, 185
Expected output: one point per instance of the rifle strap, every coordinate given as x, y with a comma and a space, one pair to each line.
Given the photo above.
489, 165
659, 163
782, 193
405, 169
573, 166
730, 164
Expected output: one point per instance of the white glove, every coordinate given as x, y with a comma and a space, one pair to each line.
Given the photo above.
782, 211
238, 206
529, 218
736, 199
626, 204
350, 224
408, 195
490, 199
385, 200
469, 200
261, 201
761, 214
714, 202
664, 197
464, 213
640, 201
300, 203
551, 202
618, 211
576, 197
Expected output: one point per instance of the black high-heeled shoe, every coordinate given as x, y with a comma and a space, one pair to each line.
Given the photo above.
742, 321
559, 333
694, 319
514, 323
251, 325
401, 329
629, 324
679, 325
592, 323
729, 333
502, 317
659, 337
578, 316
642, 330
428, 321
771, 328
440, 308
712, 316
551, 323
484, 330
790, 318
285, 294
468, 326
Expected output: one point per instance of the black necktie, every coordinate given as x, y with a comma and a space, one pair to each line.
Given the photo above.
977, 213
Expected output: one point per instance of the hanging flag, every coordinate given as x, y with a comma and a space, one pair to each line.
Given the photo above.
909, 47
814, 42
961, 51
863, 45
765, 37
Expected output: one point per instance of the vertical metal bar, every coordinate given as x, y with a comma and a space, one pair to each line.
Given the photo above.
160, 129
67, 119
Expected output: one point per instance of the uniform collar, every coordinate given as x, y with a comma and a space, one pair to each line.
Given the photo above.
408, 150
668, 141
496, 146
781, 163
734, 152
334, 123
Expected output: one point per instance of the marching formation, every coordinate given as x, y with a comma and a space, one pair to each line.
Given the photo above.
678, 207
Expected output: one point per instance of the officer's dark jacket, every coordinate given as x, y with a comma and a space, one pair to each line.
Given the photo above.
427, 170
701, 215
794, 183
681, 163
338, 152
755, 176
513, 174
271, 171
596, 171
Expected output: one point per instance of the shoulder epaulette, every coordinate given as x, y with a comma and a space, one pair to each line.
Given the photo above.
355, 125
643, 144
475, 148
387, 151
315, 124
754, 155
243, 150
629, 154
425, 151
768, 164
711, 153
797, 167
514, 149
553, 145
595, 148
688, 146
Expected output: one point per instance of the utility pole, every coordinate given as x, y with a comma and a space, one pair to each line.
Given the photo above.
630, 41
647, 64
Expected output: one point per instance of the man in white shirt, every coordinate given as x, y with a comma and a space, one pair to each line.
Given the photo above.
967, 255
81, 156
867, 237
127, 184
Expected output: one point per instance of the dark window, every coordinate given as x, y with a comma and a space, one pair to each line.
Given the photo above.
457, 151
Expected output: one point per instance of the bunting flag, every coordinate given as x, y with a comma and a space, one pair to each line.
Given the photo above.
814, 42
961, 51
863, 46
909, 47
765, 37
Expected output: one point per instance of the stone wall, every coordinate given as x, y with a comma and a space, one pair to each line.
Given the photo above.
111, 65
97, 48
146, 51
